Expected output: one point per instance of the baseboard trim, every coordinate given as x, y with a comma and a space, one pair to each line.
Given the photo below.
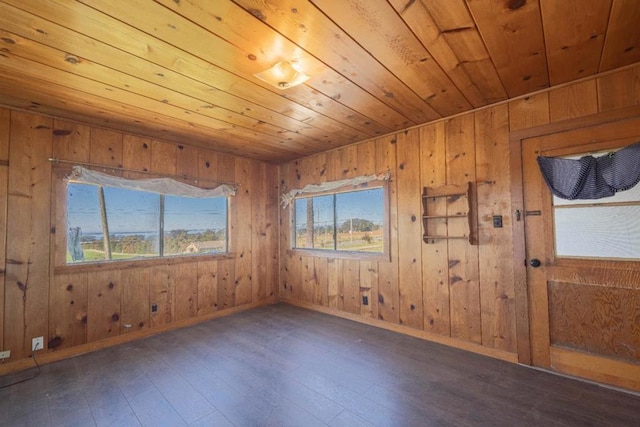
448, 341
56, 355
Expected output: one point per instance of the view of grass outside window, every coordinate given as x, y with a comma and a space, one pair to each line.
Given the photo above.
109, 223
345, 221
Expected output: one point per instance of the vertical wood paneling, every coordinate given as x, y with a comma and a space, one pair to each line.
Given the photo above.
136, 154
187, 162
135, 307
71, 141
5, 126
259, 243
497, 292
463, 258
207, 287
619, 90
333, 292
162, 289
274, 210
309, 281
580, 99
410, 228
106, 147
369, 288
186, 286
284, 232
435, 255
103, 314
243, 233
351, 285
68, 307
163, 157
388, 296
321, 282
28, 232
225, 166
529, 112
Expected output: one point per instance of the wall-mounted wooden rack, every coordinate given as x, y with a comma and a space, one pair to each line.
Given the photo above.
453, 207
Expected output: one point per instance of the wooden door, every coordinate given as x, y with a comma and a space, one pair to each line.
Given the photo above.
584, 310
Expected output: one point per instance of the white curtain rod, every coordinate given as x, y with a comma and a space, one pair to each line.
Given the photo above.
121, 169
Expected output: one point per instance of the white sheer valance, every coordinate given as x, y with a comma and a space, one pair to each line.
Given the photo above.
288, 197
154, 185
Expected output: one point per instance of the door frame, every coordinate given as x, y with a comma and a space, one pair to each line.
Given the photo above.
516, 138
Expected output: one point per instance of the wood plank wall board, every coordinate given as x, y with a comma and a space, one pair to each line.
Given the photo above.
493, 177
186, 285
5, 135
68, 308
135, 309
333, 287
351, 285
619, 90
243, 233
104, 309
71, 141
568, 102
163, 157
529, 112
272, 229
162, 291
435, 280
619, 48
595, 319
388, 296
226, 171
207, 287
463, 258
259, 243
28, 232
409, 224
106, 147
136, 155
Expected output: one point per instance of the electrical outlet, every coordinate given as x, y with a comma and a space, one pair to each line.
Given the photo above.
5, 354
37, 343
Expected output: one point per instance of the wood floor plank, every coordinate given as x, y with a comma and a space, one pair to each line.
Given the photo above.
286, 366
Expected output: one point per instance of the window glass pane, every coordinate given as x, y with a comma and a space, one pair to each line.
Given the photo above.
360, 216
303, 235
84, 226
323, 222
134, 222
602, 228
598, 232
195, 226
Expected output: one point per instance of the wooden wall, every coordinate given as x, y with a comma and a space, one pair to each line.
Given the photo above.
77, 305
449, 291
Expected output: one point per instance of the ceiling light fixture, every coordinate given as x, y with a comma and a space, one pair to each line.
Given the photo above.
283, 75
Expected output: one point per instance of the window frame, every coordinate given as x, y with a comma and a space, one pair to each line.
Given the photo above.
383, 256
59, 239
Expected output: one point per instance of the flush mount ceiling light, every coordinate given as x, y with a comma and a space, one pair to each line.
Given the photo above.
283, 75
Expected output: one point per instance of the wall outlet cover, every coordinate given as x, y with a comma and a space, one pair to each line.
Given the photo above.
37, 344
5, 354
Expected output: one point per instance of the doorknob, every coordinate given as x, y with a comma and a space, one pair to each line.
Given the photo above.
535, 263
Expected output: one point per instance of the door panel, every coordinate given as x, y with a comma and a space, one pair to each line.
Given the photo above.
580, 308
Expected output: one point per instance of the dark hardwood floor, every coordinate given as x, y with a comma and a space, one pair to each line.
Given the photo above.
281, 365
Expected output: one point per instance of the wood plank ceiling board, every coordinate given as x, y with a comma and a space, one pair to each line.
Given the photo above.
574, 33
306, 24
512, 32
382, 32
239, 60
183, 71
43, 56
299, 120
622, 42
458, 50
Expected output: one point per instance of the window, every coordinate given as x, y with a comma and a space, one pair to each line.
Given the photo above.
348, 221
602, 228
111, 223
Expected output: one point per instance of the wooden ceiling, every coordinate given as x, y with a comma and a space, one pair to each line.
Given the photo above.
182, 70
